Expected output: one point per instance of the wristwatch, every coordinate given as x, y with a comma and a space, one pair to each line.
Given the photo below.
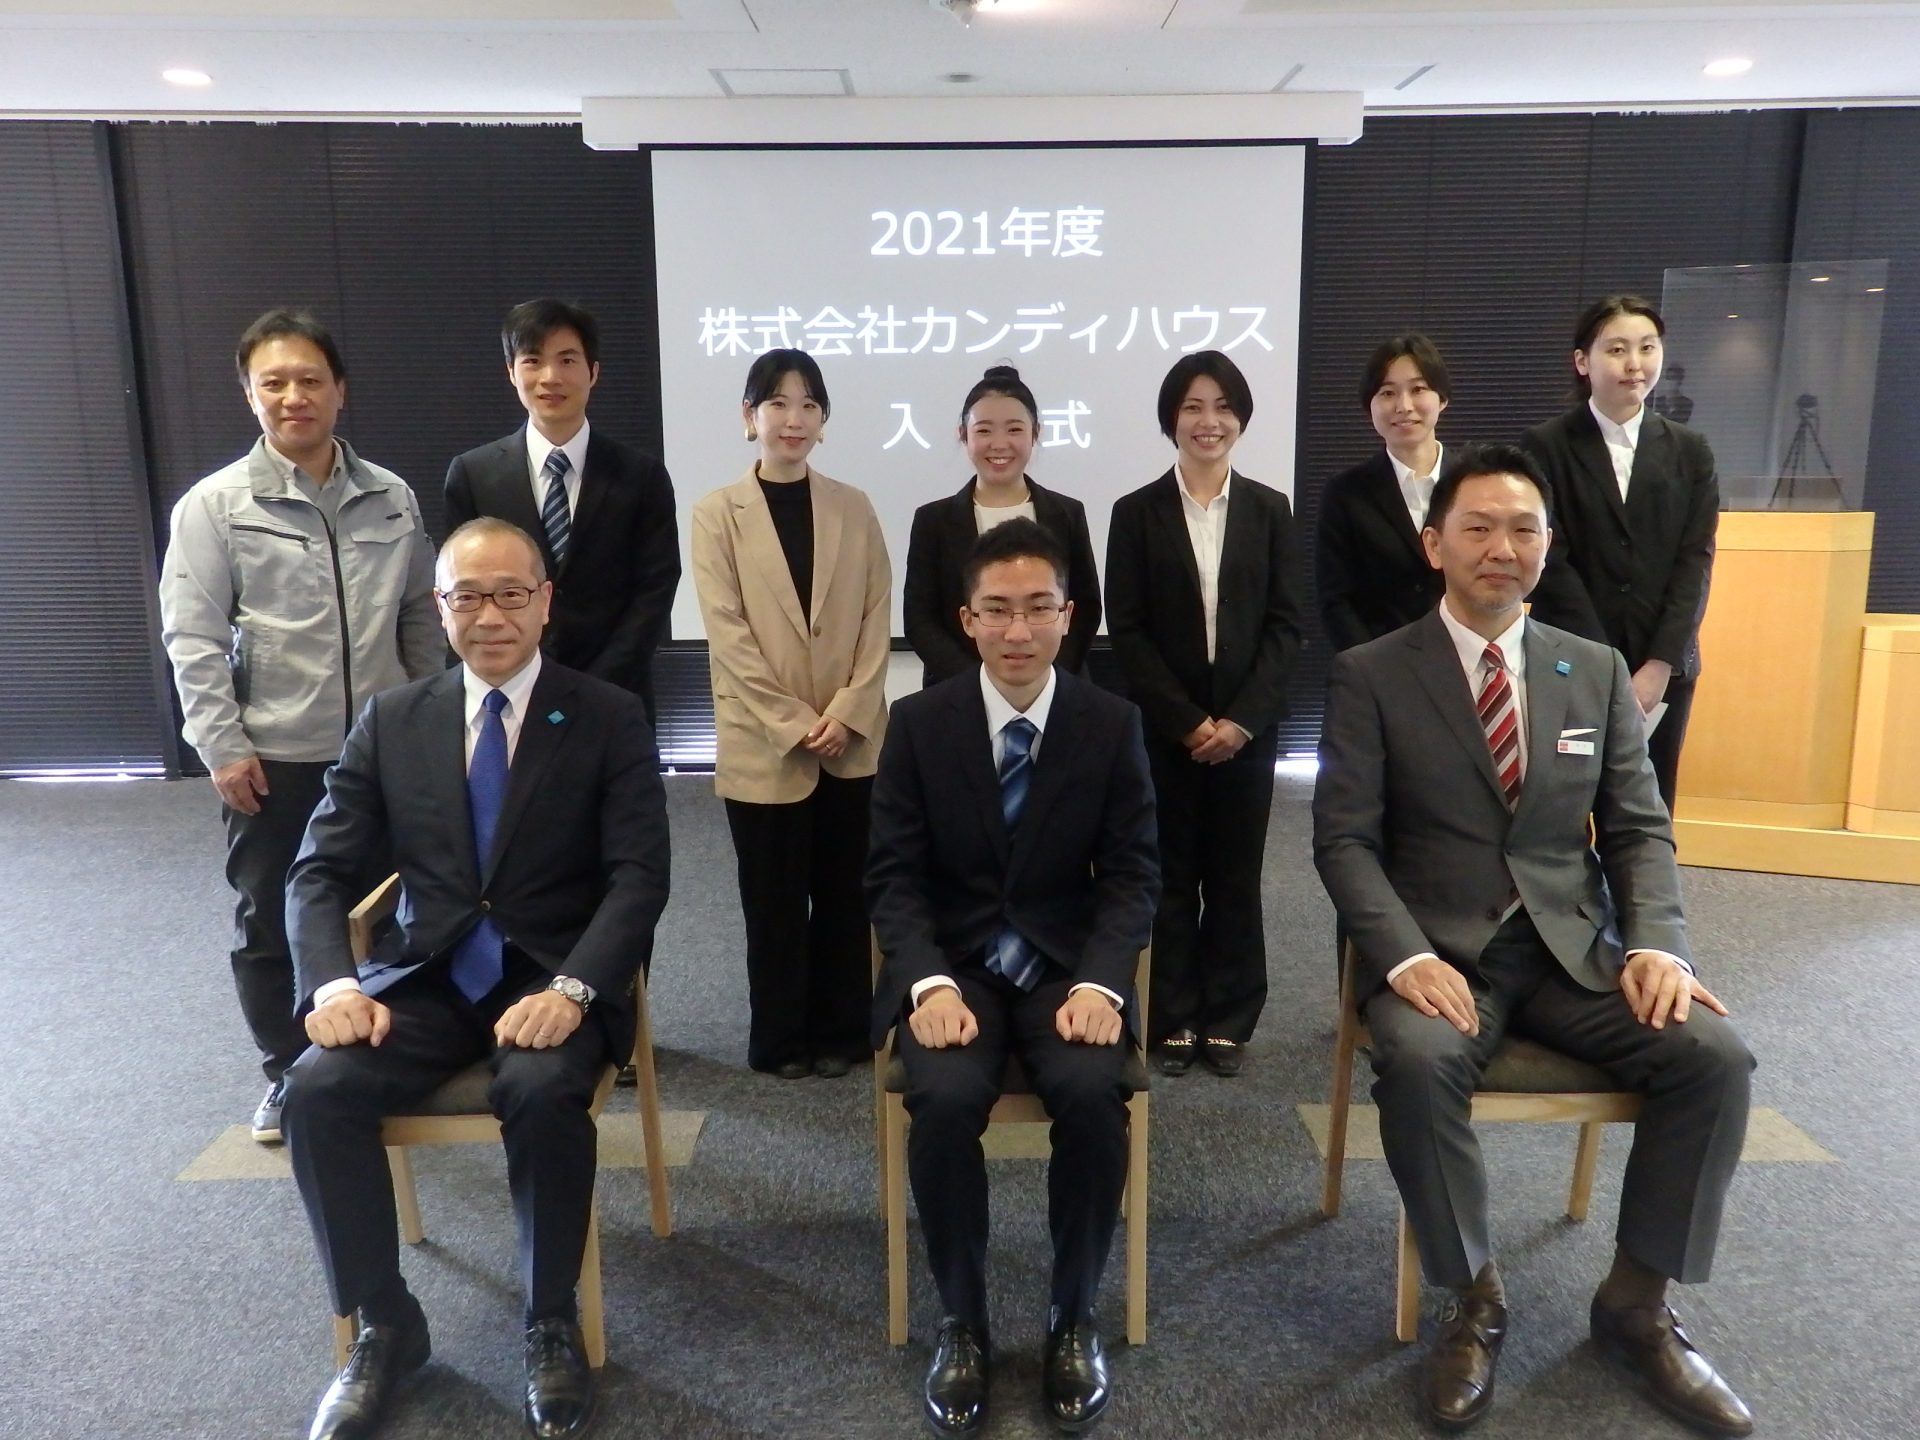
574, 991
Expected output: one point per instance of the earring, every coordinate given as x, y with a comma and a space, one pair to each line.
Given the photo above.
752, 434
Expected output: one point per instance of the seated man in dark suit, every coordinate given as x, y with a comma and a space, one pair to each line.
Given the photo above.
523, 807
1012, 879
1461, 759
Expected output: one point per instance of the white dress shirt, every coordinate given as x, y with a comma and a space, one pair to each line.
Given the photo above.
539, 447
1471, 647
1000, 714
1622, 441
1416, 491
985, 517
517, 688
1206, 528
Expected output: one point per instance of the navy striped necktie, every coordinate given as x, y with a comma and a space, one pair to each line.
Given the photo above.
1012, 954
553, 508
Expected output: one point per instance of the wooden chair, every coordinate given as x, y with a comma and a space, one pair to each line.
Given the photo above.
458, 1114
1525, 1081
1017, 1102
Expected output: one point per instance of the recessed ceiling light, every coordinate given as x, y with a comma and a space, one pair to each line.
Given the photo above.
1731, 65
1733, 317
1820, 279
1875, 289
182, 76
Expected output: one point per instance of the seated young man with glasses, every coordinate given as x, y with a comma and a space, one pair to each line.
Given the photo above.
1012, 881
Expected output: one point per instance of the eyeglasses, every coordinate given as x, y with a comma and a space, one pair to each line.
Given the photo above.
998, 617
465, 602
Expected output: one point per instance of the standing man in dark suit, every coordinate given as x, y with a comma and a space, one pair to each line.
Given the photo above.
1636, 505
1460, 763
1012, 882
601, 510
1203, 604
523, 806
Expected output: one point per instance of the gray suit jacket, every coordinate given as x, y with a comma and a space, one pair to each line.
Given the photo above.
1412, 835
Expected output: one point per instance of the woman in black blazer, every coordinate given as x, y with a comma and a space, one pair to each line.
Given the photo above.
1370, 567
997, 425
1203, 611
1636, 502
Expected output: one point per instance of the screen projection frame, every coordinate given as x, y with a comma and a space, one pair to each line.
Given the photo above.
1175, 271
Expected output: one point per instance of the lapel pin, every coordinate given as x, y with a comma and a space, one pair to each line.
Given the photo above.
555, 717
1563, 667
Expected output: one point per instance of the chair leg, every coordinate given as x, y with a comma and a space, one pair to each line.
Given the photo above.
406, 1199
1586, 1160
880, 1125
1406, 1307
648, 1092
593, 1313
342, 1340
1136, 1196
1338, 1103
894, 1167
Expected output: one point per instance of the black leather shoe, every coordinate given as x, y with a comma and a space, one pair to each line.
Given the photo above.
831, 1067
560, 1389
793, 1069
956, 1389
628, 1077
1648, 1340
1223, 1057
1460, 1366
1174, 1055
1073, 1377
381, 1354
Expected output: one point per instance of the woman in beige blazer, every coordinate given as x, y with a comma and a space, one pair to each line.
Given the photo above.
795, 591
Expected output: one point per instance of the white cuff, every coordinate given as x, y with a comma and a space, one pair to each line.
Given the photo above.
1118, 1003
332, 988
1394, 973
932, 982
1664, 955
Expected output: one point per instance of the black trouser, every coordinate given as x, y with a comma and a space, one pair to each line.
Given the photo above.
1209, 943
260, 851
1696, 1078
949, 1094
1663, 746
336, 1098
809, 964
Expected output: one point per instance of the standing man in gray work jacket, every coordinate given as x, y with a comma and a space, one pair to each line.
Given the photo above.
298, 583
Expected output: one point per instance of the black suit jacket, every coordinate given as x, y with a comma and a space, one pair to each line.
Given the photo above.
930, 601
1370, 568
578, 874
1080, 877
1636, 573
613, 599
1159, 628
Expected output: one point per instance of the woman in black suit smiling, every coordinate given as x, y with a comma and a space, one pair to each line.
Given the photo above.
997, 425
1204, 615
1371, 570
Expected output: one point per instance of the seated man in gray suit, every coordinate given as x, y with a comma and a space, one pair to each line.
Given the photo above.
1460, 762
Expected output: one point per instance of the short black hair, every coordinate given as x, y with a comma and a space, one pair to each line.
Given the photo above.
1472, 461
1415, 347
1000, 380
1016, 539
1216, 367
529, 323
1594, 319
768, 369
277, 324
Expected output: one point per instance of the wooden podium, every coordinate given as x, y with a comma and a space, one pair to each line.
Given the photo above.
1793, 761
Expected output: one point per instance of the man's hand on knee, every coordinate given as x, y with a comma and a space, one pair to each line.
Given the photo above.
1435, 988
1659, 988
942, 1019
1089, 1017
347, 1019
538, 1021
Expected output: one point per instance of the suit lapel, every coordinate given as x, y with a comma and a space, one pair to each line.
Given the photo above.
975, 755
1546, 713
829, 515
1168, 509
1650, 467
443, 716
511, 490
1049, 769
1239, 552
595, 478
1437, 664
1383, 490
546, 724
762, 544
1590, 449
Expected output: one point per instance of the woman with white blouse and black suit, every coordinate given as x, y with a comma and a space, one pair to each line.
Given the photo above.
1203, 611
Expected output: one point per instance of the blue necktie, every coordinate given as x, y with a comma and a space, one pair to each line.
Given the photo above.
1012, 954
553, 508
477, 963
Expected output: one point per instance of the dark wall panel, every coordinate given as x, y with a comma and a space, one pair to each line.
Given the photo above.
78, 633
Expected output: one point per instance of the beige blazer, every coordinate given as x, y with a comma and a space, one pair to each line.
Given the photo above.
773, 675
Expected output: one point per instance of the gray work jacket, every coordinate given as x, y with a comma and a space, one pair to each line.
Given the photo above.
279, 628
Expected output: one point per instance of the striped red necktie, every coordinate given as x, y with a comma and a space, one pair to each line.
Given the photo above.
1500, 718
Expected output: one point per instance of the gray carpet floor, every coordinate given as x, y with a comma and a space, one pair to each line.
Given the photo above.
139, 1305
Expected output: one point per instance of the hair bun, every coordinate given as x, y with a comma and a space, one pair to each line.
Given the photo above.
1001, 372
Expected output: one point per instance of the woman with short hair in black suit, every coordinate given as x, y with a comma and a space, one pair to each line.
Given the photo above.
1635, 505
998, 423
1203, 610
1370, 566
